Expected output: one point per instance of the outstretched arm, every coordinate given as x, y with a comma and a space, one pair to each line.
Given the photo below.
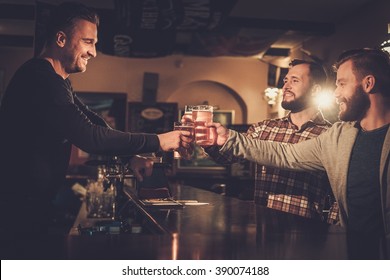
300, 156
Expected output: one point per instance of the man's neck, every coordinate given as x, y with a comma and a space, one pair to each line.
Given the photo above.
57, 66
377, 115
302, 117
370, 122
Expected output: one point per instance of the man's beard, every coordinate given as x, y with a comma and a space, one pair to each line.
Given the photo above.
356, 107
297, 104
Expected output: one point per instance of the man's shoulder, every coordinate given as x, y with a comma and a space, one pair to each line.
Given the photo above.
341, 125
273, 122
37, 69
39, 75
268, 125
319, 120
36, 63
341, 130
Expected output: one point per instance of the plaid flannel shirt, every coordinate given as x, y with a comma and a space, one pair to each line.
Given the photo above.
300, 193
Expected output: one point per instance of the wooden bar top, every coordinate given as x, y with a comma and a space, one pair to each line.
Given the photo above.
225, 228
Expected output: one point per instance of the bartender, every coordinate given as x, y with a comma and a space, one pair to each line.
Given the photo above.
41, 117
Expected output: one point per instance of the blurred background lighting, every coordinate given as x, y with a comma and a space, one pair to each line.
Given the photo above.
386, 43
386, 46
325, 99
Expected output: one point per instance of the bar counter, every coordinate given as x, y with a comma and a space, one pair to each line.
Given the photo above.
226, 228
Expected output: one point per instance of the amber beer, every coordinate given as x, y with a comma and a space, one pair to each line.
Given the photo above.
187, 117
183, 152
202, 114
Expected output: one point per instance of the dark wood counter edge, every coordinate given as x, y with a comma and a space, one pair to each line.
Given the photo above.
156, 227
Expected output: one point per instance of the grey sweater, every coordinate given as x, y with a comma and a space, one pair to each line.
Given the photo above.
329, 152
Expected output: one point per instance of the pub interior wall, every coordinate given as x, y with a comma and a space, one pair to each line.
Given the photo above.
245, 76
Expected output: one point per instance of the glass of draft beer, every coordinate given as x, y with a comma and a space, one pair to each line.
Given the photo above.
181, 152
201, 114
187, 116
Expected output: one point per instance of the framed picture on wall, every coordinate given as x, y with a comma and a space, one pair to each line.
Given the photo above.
224, 117
112, 107
152, 118
201, 163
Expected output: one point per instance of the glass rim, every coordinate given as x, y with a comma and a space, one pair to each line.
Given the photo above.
202, 108
188, 108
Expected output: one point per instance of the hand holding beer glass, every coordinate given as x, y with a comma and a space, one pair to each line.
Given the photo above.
194, 120
183, 152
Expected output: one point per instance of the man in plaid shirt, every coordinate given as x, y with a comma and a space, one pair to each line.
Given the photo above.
299, 193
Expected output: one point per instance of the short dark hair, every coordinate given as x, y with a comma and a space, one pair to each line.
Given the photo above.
368, 61
317, 72
63, 18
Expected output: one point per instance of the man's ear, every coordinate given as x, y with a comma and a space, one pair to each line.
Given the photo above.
60, 38
368, 83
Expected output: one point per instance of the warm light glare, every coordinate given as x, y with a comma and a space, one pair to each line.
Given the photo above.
325, 99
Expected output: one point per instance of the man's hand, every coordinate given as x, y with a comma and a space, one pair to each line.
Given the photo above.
141, 166
220, 135
186, 119
173, 140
